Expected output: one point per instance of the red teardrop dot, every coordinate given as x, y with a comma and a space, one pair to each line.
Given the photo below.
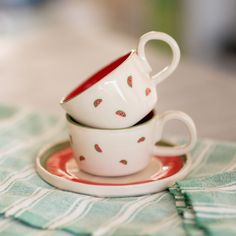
142, 139
97, 148
124, 162
81, 158
147, 91
97, 102
120, 113
130, 81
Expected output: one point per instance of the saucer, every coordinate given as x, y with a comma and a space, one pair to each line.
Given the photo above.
56, 165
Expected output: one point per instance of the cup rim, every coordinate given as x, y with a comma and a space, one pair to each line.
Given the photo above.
70, 119
70, 96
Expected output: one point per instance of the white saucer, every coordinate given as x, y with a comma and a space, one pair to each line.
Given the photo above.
55, 164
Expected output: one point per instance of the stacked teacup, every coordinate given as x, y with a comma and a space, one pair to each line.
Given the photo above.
113, 128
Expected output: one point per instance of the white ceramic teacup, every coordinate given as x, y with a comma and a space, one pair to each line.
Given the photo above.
123, 92
121, 152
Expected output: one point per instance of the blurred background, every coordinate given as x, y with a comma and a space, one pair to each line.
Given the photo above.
204, 29
48, 47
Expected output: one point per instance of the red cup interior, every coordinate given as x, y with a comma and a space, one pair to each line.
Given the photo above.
96, 77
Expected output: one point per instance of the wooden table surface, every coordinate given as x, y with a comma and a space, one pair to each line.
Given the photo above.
38, 68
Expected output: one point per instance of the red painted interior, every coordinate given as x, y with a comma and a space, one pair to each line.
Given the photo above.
56, 165
96, 77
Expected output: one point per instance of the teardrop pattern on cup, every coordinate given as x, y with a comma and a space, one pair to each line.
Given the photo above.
97, 148
81, 158
140, 140
120, 113
97, 102
124, 162
130, 81
147, 91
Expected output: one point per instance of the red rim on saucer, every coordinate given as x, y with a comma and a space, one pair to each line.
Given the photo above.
56, 165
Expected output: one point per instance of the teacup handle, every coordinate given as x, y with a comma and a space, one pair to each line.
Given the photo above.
177, 150
165, 72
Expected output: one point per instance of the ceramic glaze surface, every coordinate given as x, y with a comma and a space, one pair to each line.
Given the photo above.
62, 163
124, 151
122, 93
56, 165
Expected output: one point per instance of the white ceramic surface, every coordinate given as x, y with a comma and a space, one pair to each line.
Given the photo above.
103, 187
122, 152
123, 92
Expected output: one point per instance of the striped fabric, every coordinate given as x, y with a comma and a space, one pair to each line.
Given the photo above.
209, 203
203, 204
206, 200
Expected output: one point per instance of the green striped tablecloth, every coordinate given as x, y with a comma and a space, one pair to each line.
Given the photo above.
203, 204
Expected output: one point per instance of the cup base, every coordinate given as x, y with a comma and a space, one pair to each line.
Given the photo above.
112, 175
61, 171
